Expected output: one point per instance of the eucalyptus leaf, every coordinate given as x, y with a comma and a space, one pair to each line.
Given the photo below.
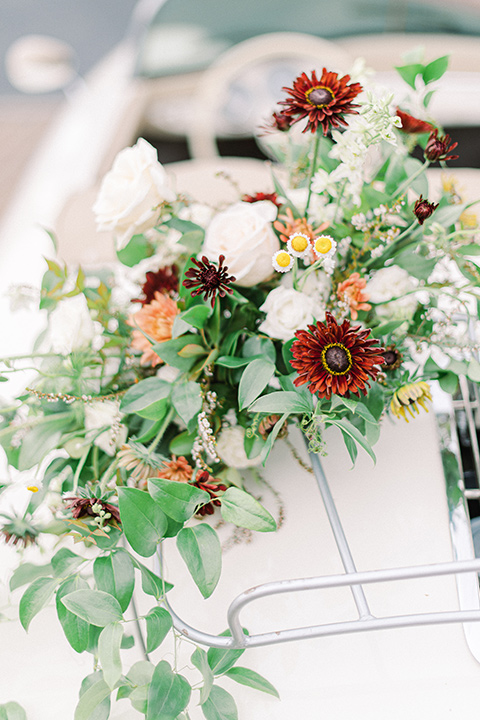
240, 508
64, 562
169, 351
187, 400
220, 705
35, 597
145, 393
200, 548
255, 378
252, 679
168, 695
159, 622
96, 607
114, 574
177, 500
152, 584
91, 699
200, 660
12, 711
143, 521
28, 572
75, 628
109, 653
282, 402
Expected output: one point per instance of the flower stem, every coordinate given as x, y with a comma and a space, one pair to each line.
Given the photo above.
161, 431
312, 170
409, 180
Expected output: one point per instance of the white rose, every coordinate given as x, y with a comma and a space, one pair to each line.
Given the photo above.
287, 311
244, 235
106, 415
231, 450
72, 328
131, 192
393, 282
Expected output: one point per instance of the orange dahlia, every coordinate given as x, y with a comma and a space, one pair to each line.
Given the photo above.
352, 292
178, 469
323, 101
291, 226
336, 359
156, 321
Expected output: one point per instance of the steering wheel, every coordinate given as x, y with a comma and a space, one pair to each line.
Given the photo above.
243, 85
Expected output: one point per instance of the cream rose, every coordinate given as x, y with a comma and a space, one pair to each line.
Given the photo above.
131, 193
106, 415
72, 328
244, 235
287, 311
393, 282
231, 450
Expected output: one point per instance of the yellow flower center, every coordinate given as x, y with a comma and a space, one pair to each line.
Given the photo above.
299, 243
32, 488
283, 259
323, 244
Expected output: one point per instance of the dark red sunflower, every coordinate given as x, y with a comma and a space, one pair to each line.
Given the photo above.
437, 148
204, 481
164, 281
412, 124
423, 209
208, 279
323, 101
260, 196
335, 359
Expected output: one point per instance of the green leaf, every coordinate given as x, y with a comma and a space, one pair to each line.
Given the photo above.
168, 695
416, 265
255, 378
200, 660
65, 562
143, 521
434, 70
75, 628
282, 402
448, 382
240, 508
35, 597
200, 548
177, 500
220, 705
92, 698
272, 436
96, 607
140, 675
347, 427
473, 371
136, 250
386, 328
158, 622
193, 240
409, 73
114, 574
259, 347
222, 659
109, 653
43, 438
152, 584
252, 679
187, 401
468, 250
144, 394
197, 315
231, 362
351, 446
182, 444
12, 711
27, 572
169, 351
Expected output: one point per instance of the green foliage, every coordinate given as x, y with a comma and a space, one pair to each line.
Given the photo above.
159, 622
177, 500
94, 702
114, 574
255, 378
252, 679
95, 606
35, 597
240, 508
200, 660
75, 628
109, 644
220, 705
168, 694
200, 548
12, 711
144, 522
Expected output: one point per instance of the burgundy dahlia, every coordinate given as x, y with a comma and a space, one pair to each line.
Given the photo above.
423, 209
206, 278
335, 359
437, 148
164, 281
322, 101
260, 196
204, 481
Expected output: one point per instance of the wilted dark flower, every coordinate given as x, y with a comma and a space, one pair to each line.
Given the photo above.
268, 423
412, 124
409, 397
18, 531
93, 507
204, 481
278, 121
437, 148
323, 101
335, 359
423, 209
208, 279
140, 462
164, 281
392, 358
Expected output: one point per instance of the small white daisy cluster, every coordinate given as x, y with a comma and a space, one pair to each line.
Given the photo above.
299, 246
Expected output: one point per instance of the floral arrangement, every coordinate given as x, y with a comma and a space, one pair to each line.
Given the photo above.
164, 380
